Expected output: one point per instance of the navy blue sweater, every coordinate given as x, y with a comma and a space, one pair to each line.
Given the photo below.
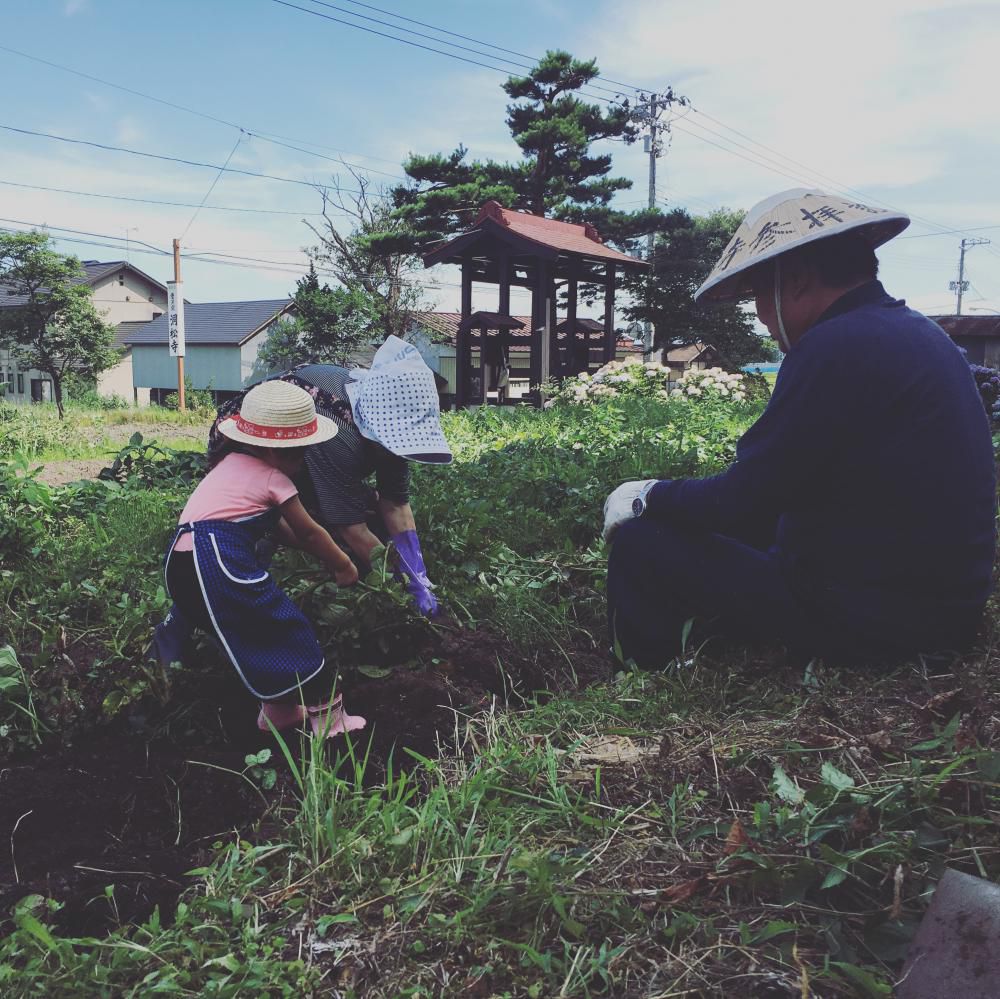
874, 457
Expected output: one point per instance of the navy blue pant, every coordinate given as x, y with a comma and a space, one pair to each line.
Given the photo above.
660, 576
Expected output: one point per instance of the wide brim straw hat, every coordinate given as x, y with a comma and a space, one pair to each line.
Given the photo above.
785, 222
278, 414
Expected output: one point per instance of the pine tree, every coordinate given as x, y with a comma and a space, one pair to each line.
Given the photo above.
558, 176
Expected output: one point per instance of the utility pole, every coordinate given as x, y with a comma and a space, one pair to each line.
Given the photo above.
648, 113
961, 285
652, 148
175, 322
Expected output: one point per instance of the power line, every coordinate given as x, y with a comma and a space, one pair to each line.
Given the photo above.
276, 139
215, 181
266, 136
418, 45
758, 159
479, 41
83, 232
176, 159
206, 257
948, 232
154, 201
465, 48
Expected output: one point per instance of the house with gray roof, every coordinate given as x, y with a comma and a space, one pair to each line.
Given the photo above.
121, 293
222, 343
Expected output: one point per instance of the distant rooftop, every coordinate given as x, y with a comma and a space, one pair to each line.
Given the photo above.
211, 322
94, 271
969, 325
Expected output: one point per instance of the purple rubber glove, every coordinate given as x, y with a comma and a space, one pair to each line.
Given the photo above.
411, 562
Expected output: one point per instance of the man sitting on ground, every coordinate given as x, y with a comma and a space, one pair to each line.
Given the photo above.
859, 516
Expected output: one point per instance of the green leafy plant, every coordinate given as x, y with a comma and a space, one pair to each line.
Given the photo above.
149, 464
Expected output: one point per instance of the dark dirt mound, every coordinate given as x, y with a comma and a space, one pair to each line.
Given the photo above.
138, 813
118, 813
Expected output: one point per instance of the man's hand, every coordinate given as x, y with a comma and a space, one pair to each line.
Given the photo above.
346, 575
618, 506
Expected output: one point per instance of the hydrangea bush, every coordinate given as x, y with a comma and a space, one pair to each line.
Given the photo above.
711, 383
632, 378
988, 383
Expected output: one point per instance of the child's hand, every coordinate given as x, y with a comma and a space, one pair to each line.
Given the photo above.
346, 575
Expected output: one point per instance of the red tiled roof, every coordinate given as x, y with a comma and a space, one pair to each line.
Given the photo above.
570, 237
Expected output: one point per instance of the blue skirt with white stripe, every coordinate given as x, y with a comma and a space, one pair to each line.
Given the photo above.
266, 637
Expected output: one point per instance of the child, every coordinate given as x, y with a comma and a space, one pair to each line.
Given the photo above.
213, 575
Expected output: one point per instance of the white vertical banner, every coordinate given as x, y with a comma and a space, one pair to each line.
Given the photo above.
175, 318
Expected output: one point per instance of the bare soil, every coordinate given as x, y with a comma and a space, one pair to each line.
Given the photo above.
59, 473
137, 813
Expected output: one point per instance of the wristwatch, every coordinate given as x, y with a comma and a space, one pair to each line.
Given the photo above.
639, 503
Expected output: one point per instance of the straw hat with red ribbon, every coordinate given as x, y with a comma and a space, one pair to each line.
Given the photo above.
278, 414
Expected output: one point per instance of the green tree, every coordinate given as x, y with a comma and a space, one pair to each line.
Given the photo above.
329, 323
378, 275
558, 176
53, 326
684, 251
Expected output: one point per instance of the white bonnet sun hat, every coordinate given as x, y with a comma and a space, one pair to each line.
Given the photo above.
278, 414
395, 403
786, 221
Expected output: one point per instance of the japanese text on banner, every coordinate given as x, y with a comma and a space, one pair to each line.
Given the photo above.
175, 318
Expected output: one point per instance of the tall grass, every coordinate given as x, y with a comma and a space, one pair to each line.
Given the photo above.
37, 432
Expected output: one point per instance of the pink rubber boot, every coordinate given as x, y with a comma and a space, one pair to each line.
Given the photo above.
331, 719
281, 716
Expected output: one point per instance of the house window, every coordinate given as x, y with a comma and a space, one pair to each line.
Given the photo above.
121, 278
10, 381
20, 383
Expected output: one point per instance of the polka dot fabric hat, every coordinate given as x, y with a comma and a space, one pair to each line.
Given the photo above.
396, 404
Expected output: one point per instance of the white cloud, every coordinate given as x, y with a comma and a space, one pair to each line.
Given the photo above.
98, 103
891, 98
128, 131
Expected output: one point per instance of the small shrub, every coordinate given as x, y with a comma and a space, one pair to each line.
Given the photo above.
196, 399
154, 466
988, 383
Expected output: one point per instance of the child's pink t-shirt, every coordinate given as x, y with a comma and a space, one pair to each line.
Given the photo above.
239, 487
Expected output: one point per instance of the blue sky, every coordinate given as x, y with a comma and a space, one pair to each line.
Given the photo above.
890, 99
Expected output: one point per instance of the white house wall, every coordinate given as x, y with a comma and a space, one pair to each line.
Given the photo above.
125, 297
122, 298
